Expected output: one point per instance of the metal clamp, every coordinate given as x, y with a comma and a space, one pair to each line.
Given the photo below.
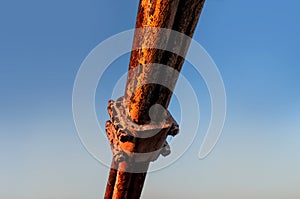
133, 142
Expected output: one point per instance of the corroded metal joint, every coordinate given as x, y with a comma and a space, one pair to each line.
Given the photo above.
136, 143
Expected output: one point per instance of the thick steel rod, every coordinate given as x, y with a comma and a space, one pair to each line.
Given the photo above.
182, 16
122, 182
137, 182
186, 18
179, 15
111, 180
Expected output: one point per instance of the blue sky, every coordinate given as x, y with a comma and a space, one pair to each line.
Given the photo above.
255, 45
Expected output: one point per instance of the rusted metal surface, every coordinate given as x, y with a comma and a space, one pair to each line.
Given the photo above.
178, 15
134, 146
122, 181
131, 141
137, 181
111, 180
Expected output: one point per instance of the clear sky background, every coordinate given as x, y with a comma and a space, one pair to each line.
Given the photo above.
255, 45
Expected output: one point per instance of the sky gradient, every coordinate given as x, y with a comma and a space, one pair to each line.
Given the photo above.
255, 45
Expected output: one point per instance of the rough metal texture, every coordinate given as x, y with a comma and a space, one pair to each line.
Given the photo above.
178, 15
133, 147
111, 180
135, 143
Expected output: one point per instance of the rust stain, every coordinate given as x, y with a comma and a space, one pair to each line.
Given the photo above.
179, 15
